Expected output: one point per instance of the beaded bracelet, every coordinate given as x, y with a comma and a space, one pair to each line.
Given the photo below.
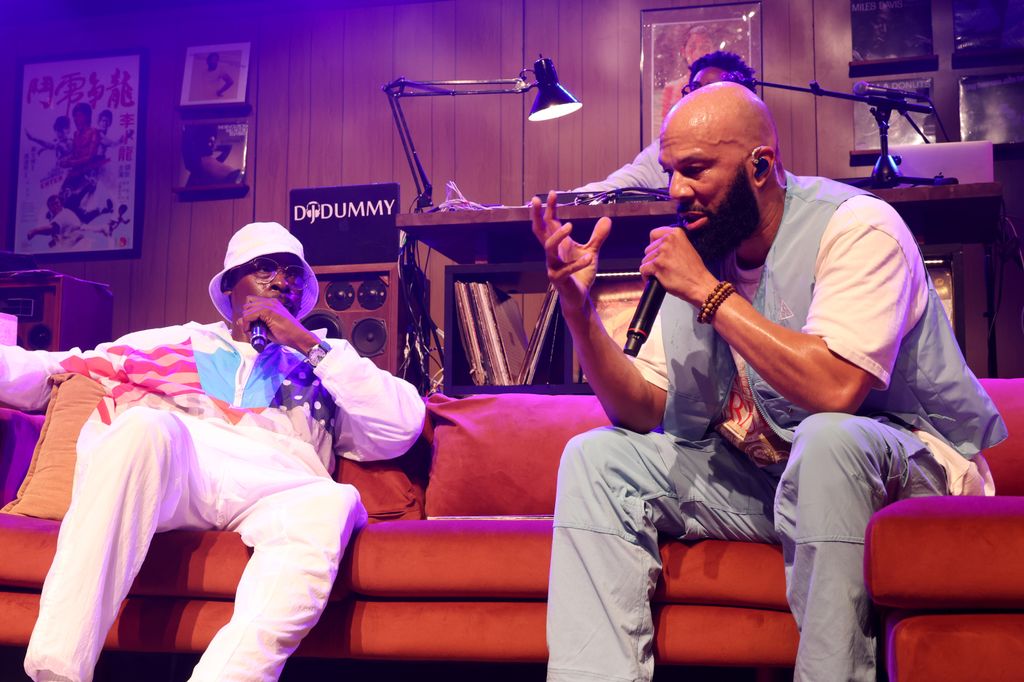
710, 306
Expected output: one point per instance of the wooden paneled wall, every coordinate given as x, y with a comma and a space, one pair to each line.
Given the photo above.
319, 117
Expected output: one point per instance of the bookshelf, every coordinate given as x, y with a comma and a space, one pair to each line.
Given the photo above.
527, 283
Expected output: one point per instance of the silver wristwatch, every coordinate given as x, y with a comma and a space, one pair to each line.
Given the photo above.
317, 353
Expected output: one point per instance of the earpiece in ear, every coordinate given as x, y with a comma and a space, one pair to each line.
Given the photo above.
760, 167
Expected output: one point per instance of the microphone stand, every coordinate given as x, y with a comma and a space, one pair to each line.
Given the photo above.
885, 173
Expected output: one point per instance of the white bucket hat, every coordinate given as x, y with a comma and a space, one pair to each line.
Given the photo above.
262, 239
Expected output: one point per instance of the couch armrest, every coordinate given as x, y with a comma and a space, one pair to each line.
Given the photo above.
18, 435
947, 553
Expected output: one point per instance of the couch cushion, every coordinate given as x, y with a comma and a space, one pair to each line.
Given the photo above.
688, 634
390, 489
954, 646
439, 558
947, 553
142, 624
45, 492
722, 573
1007, 459
180, 563
498, 454
510, 559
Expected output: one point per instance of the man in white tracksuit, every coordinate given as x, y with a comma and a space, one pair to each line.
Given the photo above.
198, 430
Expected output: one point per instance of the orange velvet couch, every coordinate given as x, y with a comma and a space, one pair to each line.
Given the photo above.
469, 582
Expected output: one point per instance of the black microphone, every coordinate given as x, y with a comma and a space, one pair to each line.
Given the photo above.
646, 311
258, 335
864, 89
643, 318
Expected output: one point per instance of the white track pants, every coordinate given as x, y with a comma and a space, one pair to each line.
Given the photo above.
153, 471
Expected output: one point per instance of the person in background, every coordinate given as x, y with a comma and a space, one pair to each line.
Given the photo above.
645, 171
199, 430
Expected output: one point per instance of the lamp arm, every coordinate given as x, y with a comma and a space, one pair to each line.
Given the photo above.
424, 190
403, 87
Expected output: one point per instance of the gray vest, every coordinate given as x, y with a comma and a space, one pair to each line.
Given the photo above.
931, 388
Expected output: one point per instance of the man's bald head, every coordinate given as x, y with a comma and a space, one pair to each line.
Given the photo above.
724, 118
720, 145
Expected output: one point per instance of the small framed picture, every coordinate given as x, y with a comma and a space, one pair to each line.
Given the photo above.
215, 75
213, 155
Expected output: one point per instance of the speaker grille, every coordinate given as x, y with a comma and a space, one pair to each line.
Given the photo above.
373, 293
369, 337
339, 295
320, 319
39, 337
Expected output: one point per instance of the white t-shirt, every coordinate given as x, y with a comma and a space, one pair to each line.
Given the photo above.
870, 289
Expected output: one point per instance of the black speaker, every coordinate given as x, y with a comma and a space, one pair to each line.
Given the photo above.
364, 305
55, 311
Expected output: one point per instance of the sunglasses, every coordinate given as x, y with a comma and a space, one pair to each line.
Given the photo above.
265, 269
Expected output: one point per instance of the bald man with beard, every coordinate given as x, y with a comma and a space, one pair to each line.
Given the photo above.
801, 375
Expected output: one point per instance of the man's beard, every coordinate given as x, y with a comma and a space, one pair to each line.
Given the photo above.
736, 219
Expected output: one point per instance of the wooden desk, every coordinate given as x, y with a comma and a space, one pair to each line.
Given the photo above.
946, 214
502, 235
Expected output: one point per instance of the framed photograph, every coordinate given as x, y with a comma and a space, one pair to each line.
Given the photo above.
987, 33
213, 155
674, 38
215, 75
992, 108
78, 182
890, 30
987, 25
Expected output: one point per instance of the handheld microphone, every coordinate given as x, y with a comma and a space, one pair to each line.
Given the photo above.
646, 311
863, 88
258, 335
643, 318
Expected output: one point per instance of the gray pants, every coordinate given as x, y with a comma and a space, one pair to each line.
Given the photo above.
617, 490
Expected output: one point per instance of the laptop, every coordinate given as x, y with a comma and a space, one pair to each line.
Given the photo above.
966, 161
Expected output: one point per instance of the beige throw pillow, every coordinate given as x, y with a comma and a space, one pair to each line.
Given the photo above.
46, 491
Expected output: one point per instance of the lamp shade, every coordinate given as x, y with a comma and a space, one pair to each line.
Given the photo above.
552, 99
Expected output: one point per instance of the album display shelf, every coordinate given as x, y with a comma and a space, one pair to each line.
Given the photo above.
527, 283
